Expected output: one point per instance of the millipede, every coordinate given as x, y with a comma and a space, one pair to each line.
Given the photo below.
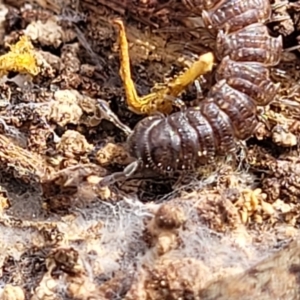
194, 136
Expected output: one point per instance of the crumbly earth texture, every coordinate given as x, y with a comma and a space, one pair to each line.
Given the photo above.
230, 233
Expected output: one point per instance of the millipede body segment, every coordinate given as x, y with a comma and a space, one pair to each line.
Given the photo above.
194, 136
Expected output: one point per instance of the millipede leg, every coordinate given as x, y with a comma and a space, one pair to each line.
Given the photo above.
108, 114
120, 176
157, 101
176, 102
243, 157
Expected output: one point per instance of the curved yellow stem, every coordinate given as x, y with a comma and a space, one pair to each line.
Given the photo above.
157, 101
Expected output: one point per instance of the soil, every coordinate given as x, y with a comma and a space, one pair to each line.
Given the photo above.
230, 233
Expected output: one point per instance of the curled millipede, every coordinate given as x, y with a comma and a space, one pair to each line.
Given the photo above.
194, 136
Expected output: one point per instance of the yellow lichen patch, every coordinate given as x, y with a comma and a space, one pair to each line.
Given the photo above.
21, 58
157, 101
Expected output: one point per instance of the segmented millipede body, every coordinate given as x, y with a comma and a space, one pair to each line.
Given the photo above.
194, 136
189, 138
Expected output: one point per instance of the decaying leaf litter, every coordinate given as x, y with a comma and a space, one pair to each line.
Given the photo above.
64, 238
